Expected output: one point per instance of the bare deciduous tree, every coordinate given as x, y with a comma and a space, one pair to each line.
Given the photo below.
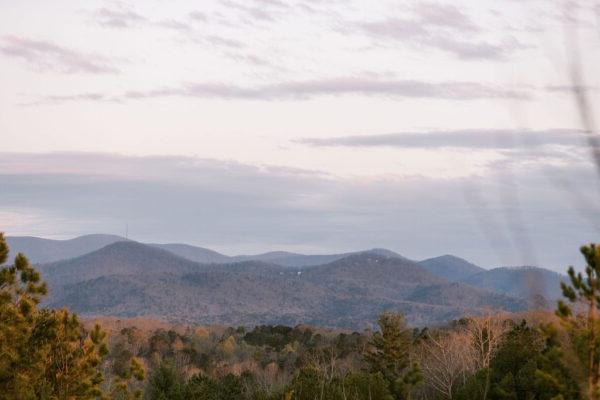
447, 360
486, 333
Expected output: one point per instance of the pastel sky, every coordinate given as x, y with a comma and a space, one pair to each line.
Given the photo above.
426, 127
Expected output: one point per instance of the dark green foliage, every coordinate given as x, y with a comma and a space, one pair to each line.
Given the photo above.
278, 336
474, 388
43, 353
202, 388
309, 384
165, 383
361, 386
389, 355
528, 365
582, 320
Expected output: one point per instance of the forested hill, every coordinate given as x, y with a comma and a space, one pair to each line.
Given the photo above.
106, 275
132, 279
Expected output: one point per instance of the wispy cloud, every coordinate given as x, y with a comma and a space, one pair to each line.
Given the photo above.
117, 18
495, 139
45, 55
198, 16
223, 41
440, 26
80, 97
248, 58
174, 25
305, 90
570, 89
262, 10
434, 14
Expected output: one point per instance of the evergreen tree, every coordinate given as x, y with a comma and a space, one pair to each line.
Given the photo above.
44, 354
202, 387
134, 371
583, 324
165, 383
389, 355
309, 384
529, 365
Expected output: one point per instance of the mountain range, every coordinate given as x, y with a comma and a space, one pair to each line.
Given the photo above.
40, 250
108, 275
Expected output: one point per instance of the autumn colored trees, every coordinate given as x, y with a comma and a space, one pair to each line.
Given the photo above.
49, 354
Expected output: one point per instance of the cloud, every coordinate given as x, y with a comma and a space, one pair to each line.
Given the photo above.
444, 15
272, 3
198, 16
492, 139
90, 96
174, 25
252, 59
45, 55
571, 89
258, 10
474, 50
121, 18
304, 90
413, 31
221, 41
439, 26
254, 12
237, 208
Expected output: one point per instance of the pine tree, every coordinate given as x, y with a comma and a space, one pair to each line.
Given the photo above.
44, 354
389, 355
21, 290
165, 383
583, 325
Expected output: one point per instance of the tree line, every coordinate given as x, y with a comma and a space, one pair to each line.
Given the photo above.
52, 354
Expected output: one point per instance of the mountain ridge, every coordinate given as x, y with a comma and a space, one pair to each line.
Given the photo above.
451, 267
133, 279
41, 250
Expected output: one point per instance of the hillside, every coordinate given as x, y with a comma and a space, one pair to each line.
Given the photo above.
459, 294
288, 259
450, 267
129, 279
522, 282
194, 253
120, 258
40, 250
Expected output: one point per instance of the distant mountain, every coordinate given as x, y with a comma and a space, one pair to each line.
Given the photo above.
283, 258
120, 258
453, 268
40, 250
523, 282
459, 294
47, 251
132, 279
194, 253
287, 259
373, 275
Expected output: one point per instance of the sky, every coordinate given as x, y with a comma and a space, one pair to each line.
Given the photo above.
316, 126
